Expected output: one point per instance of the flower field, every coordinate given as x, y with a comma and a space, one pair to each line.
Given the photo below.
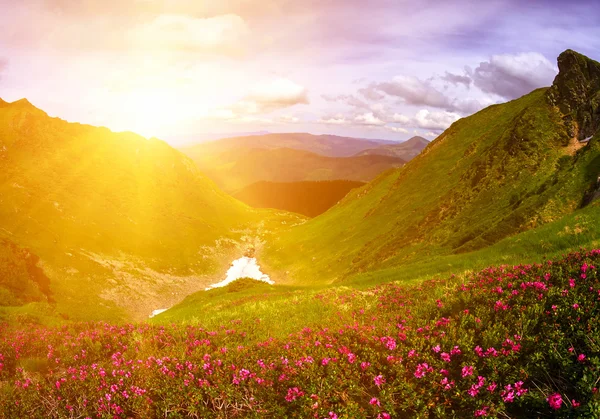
508, 341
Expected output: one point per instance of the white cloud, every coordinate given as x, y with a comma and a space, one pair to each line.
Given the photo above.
334, 120
290, 119
402, 119
435, 120
274, 94
396, 129
368, 119
431, 134
413, 91
512, 76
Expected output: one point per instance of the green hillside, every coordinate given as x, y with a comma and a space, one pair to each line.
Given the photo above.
504, 170
112, 214
306, 198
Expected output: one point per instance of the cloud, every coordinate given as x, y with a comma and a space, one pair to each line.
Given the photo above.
431, 134
275, 94
434, 120
337, 119
222, 35
266, 97
288, 119
402, 119
396, 129
349, 100
457, 79
371, 93
368, 119
413, 91
512, 76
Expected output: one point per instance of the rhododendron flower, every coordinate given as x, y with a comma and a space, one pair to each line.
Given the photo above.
467, 371
436, 349
333, 415
293, 394
555, 401
379, 380
575, 403
445, 357
481, 412
374, 402
581, 358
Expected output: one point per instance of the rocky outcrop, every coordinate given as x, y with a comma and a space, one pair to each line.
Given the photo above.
576, 92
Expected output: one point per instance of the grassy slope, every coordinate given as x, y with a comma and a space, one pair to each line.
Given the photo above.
501, 171
307, 198
282, 306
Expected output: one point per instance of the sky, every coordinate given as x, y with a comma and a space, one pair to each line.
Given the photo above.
180, 70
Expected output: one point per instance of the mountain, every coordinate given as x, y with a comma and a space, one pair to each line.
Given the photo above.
405, 150
113, 217
326, 145
307, 198
240, 167
501, 171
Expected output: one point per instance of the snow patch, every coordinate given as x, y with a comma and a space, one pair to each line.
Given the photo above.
243, 267
157, 312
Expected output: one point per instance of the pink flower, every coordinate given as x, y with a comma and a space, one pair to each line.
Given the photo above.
379, 380
422, 369
575, 306
581, 358
575, 403
351, 358
554, 400
333, 415
374, 402
445, 357
481, 412
436, 349
467, 371
293, 394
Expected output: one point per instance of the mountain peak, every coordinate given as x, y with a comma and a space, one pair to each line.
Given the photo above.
576, 92
417, 140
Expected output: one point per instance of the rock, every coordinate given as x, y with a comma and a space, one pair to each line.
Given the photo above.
576, 92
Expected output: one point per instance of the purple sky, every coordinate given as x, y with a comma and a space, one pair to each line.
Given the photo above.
380, 69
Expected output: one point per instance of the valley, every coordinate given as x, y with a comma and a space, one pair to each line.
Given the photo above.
300, 275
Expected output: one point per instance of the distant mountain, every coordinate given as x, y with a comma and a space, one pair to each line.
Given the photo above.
326, 145
307, 198
190, 139
242, 166
109, 214
405, 150
501, 171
